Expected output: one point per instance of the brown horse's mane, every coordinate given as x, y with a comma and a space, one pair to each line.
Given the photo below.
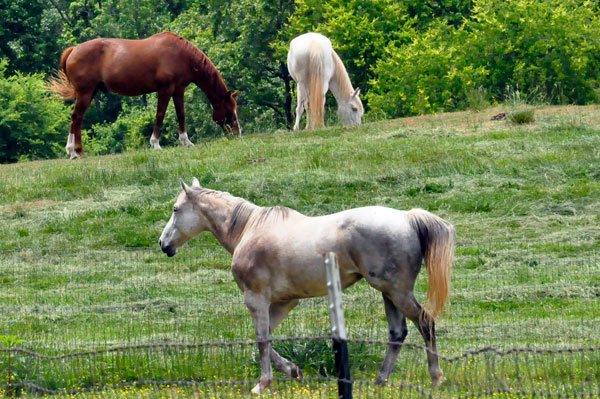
207, 77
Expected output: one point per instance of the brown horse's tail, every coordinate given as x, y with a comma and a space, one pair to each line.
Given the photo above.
316, 103
60, 84
438, 240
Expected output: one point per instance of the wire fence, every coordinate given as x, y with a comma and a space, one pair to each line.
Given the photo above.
225, 368
106, 322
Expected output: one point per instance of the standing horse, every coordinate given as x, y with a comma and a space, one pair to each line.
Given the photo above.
278, 256
316, 68
165, 63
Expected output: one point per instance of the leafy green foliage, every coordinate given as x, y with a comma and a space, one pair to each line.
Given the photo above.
424, 77
549, 47
359, 30
408, 57
28, 30
239, 38
32, 124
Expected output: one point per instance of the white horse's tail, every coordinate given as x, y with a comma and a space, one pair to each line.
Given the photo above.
438, 240
316, 103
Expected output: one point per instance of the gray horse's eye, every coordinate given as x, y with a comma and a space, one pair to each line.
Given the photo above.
354, 109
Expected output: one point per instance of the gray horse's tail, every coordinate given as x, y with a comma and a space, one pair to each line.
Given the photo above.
438, 240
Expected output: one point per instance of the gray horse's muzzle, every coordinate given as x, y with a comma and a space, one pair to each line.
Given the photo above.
170, 250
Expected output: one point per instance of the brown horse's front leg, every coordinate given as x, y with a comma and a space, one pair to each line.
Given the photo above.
74, 146
258, 305
180, 111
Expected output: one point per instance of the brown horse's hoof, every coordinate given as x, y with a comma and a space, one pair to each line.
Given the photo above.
74, 157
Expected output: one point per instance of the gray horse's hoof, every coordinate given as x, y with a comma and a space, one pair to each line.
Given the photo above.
297, 374
438, 380
379, 380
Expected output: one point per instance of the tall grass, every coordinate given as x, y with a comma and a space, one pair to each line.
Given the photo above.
80, 268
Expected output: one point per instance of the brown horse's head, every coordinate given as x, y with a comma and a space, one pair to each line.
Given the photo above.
225, 113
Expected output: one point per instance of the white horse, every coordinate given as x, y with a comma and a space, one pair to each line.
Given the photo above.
316, 68
278, 256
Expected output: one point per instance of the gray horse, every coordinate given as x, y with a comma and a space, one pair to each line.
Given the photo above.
278, 259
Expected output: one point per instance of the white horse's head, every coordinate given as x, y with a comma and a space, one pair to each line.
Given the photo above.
350, 112
187, 220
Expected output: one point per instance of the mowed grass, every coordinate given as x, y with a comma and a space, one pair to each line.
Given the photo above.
80, 268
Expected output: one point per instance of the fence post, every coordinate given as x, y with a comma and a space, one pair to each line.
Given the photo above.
338, 327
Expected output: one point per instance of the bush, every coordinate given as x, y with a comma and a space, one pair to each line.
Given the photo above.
520, 116
426, 76
33, 124
131, 130
552, 47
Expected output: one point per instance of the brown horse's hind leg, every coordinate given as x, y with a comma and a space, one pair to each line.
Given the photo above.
415, 313
277, 312
74, 146
397, 334
180, 111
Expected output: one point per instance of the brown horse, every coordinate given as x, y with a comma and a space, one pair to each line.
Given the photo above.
164, 63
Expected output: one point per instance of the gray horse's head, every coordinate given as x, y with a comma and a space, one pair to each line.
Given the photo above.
187, 220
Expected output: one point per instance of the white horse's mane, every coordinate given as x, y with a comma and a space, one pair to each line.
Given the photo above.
340, 77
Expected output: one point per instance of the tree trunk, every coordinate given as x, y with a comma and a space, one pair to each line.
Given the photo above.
288, 94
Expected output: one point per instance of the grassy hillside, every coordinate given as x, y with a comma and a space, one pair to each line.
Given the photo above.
80, 267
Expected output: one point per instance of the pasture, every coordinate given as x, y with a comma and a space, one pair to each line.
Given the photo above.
81, 270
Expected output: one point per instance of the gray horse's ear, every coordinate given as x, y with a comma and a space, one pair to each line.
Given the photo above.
195, 183
356, 92
184, 186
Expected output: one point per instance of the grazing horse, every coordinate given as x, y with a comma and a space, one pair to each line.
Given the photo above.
165, 63
316, 68
278, 256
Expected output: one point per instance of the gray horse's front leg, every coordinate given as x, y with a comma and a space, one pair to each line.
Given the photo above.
277, 312
258, 305
397, 334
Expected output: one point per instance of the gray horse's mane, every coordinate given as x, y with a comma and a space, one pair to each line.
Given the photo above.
245, 211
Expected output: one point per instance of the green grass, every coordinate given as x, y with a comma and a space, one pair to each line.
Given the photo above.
80, 268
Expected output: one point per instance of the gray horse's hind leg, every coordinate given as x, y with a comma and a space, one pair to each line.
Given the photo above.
397, 334
409, 306
277, 312
426, 327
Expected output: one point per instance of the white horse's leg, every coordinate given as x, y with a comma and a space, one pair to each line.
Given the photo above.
302, 98
258, 305
278, 312
397, 334
184, 140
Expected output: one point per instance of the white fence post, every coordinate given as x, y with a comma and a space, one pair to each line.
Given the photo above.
338, 326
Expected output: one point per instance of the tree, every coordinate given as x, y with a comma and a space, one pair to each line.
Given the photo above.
29, 32
239, 38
